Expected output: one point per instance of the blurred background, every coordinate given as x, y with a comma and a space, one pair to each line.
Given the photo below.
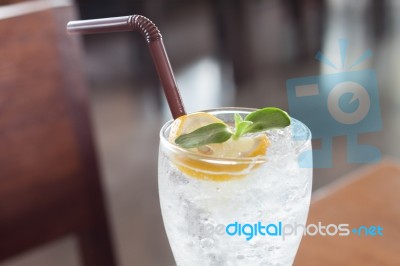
224, 53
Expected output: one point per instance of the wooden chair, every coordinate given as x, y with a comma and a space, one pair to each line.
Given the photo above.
49, 179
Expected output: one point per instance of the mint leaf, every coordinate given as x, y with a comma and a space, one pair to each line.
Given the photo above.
212, 133
238, 120
266, 118
260, 120
240, 128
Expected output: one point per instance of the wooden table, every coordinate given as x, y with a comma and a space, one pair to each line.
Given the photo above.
369, 197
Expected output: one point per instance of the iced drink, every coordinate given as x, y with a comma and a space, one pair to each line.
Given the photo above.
227, 203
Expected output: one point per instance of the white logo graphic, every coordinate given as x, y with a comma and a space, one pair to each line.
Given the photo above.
359, 93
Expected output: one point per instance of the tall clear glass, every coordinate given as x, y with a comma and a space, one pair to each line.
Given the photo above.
243, 216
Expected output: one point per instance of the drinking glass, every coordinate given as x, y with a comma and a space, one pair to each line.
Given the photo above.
236, 211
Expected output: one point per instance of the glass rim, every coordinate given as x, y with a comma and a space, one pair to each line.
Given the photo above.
225, 160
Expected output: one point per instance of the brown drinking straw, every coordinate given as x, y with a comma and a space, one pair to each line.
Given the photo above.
154, 40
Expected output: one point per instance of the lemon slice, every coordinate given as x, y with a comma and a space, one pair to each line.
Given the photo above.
244, 147
188, 123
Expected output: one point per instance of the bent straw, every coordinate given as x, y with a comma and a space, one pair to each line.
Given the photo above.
153, 38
